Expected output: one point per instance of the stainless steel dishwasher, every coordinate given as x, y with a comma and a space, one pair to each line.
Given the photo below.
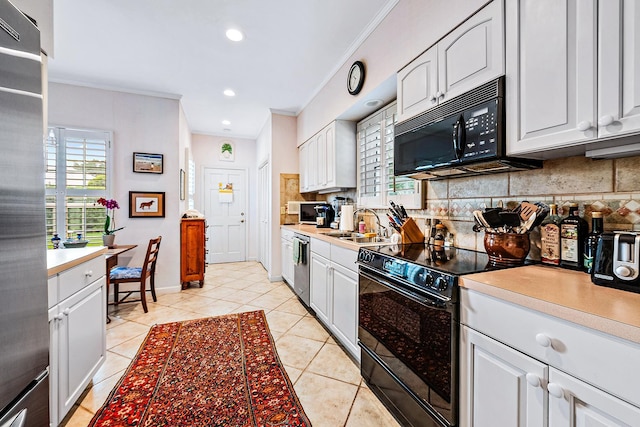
301, 268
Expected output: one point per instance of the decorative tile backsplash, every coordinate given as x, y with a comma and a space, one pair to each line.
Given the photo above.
608, 186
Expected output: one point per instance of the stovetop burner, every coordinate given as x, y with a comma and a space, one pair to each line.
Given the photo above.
455, 261
429, 269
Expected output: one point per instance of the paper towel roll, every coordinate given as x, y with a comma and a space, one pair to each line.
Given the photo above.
346, 218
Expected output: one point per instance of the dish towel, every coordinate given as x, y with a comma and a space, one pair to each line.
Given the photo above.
297, 251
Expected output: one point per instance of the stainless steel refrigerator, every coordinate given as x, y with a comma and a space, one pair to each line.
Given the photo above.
24, 329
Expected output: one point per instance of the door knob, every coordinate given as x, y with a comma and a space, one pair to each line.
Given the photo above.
555, 390
533, 379
584, 125
605, 120
242, 220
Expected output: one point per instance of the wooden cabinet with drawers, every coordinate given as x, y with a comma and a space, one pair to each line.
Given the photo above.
192, 251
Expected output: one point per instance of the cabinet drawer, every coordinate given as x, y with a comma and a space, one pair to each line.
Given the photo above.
345, 257
605, 361
286, 234
72, 280
321, 248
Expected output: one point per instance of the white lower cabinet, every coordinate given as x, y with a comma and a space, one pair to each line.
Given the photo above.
495, 384
553, 374
287, 257
320, 286
334, 292
77, 334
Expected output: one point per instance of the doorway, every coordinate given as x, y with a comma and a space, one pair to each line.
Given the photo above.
225, 204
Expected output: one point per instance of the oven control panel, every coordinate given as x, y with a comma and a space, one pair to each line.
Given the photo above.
425, 278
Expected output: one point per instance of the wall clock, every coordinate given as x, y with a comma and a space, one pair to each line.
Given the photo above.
355, 78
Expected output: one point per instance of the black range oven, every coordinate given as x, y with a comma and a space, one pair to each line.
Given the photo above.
408, 328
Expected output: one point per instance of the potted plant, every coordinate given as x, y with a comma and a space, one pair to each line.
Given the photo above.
109, 235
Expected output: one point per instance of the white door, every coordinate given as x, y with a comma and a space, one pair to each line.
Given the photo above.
499, 386
573, 403
225, 210
551, 95
264, 197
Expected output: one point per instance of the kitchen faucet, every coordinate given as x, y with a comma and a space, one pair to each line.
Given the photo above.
380, 226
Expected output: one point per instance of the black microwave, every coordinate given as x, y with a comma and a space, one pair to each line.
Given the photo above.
465, 135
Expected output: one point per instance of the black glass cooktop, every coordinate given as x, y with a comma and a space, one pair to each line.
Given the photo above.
454, 261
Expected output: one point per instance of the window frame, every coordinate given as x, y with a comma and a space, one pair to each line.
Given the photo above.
61, 192
382, 198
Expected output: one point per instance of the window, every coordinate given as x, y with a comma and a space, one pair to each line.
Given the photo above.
376, 183
77, 174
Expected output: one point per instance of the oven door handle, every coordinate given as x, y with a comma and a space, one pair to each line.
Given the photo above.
411, 295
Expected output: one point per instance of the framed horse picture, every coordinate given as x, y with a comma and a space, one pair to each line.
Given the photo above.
145, 205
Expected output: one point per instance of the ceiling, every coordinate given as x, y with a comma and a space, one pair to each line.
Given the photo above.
178, 49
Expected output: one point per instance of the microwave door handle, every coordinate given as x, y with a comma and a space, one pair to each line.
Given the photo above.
459, 137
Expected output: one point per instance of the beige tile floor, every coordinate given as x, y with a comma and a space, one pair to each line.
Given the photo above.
325, 379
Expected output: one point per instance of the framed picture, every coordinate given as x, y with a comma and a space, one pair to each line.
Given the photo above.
147, 163
182, 184
145, 205
226, 151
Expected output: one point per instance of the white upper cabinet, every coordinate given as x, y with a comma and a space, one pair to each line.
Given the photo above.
328, 159
572, 74
469, 56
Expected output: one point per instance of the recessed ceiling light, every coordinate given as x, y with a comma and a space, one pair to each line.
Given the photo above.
226, 122
373, 102
229, 92
234, 35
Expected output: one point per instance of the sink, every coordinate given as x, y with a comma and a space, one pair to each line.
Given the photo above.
340, 234
357, 237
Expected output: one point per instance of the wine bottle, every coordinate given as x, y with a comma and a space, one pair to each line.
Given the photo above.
573, 232
550, 237
591, 241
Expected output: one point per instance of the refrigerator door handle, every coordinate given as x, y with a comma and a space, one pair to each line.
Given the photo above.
18, 421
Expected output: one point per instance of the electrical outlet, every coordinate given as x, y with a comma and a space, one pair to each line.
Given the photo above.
282, 210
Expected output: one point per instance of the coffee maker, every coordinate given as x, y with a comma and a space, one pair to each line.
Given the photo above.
324, 215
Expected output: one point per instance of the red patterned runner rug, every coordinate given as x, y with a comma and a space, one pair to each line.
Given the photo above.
217, 371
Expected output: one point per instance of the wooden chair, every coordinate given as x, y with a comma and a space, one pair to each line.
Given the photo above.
119, 275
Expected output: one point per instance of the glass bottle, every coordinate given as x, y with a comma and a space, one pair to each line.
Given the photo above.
591, 241
55, 241
573, 232
550, 237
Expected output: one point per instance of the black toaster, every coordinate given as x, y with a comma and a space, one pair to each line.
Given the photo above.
616, 261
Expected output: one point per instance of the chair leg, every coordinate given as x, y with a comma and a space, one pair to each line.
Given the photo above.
116, 294
152, 283
143, 296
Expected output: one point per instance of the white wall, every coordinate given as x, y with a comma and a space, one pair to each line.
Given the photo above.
409, 29
143, 124
205, 151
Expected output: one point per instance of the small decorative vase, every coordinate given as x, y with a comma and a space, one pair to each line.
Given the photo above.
108, 240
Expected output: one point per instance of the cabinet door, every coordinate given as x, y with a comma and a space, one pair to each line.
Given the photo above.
577, 404
499, 386
473, 53
303, 167
192, 250
287, 262
417, 85
320, 287
551, 74
319, 163
330, 156
344, 310
312, 164
82, 342
619, 67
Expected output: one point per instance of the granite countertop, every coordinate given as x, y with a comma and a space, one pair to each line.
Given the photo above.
319, 233
63, 259
566, 294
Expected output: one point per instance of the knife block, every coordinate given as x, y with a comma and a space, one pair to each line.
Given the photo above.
410, 232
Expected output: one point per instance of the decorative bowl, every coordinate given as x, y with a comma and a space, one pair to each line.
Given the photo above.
507, 248
75, 243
